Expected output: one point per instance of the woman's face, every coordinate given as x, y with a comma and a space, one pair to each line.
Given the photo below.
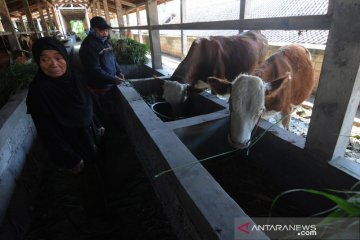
52, 63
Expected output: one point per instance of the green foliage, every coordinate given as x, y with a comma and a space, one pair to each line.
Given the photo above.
129, 51
77, 26
14, 78
346, 207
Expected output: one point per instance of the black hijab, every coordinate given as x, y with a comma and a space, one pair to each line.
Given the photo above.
65, 98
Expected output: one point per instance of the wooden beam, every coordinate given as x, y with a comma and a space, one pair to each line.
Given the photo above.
119, 15
183, 36
50, 22
22, 24
55, 18
243, 10
106, 11
98, 8
42, 18
138, 23
28, 15
154, 36
128, 4
321, 22
337, 97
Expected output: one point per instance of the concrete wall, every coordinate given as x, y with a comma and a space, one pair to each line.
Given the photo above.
17, 133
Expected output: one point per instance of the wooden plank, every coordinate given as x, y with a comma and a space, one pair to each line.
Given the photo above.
338, 95
321, 22
154, 36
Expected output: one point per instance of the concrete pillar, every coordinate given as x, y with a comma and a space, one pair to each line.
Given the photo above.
338, 93
8, 26
154, 35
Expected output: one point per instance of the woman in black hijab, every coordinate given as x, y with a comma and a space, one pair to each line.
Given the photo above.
61, 108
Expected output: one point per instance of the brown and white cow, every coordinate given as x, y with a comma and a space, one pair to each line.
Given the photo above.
286, 78
219, 56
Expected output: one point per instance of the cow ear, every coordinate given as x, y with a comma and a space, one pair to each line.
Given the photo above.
219, 86
275, 84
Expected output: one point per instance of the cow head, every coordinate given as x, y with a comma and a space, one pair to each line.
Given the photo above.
246, 105
176, 94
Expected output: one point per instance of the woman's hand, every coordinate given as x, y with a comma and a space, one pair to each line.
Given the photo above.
78, 168
101, 131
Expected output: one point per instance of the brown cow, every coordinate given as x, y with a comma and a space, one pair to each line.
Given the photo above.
286, 78
219, 56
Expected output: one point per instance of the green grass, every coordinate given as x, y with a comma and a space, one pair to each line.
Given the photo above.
14, 78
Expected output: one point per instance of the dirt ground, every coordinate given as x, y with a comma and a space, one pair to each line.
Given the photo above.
134, 212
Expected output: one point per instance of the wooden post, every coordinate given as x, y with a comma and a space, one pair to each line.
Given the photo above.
337, 97
42, 18
183, 36
106, 11
119, 15
22, 24
28, 15
62, 23
55, 18
86, 21
8, 26
139, 23
242, 11
89, 15
128, 32
154, 36
98, 8
49, 21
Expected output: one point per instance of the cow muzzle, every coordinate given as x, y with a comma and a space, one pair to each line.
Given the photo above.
236, 144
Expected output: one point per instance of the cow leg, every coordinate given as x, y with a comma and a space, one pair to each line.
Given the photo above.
286, 117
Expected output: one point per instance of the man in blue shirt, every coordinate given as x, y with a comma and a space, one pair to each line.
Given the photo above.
101, 69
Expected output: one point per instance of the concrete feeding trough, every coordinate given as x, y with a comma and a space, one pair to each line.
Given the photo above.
196, 205
193, 194
196, 104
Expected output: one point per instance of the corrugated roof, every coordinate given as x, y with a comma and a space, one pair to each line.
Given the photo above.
215, 10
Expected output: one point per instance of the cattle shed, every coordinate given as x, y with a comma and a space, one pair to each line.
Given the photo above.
202, 196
